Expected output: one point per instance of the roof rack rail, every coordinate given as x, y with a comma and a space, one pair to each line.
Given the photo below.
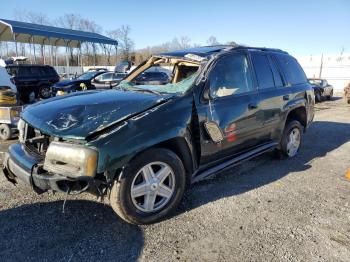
260, 49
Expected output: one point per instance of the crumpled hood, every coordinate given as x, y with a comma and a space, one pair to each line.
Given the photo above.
82, 113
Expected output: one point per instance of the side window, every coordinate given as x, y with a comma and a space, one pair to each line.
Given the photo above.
24, 71
35, 71
292, 70
230, 76
262, 70
276, 73
107, 77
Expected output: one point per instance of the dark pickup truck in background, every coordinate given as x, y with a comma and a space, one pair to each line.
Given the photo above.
142, 145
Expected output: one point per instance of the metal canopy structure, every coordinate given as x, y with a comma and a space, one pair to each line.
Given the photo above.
16, 31
32, 34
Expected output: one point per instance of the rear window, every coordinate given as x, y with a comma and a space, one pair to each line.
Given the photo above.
291, 69
49, 71
262, 70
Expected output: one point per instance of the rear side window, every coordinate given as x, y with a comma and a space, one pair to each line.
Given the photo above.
291, 69
262, 70
276, 73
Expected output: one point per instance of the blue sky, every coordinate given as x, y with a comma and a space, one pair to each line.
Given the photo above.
299, 27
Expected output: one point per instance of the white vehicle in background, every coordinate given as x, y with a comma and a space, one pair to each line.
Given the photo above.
9, 108
5, 79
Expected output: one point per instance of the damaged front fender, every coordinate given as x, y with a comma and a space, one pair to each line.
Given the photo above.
145, 130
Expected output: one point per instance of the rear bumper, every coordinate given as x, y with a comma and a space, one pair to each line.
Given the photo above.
19, 164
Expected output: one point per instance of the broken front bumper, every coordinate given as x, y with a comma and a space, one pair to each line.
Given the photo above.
19, 164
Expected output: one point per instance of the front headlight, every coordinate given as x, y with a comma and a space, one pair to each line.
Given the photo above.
71, 160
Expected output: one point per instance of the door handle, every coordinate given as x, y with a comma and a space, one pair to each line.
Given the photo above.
252, 105
286, 97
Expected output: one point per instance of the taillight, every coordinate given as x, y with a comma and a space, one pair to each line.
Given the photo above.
12, 80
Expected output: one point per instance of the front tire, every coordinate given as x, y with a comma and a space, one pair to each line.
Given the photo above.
45, 92
318, 97
291, 139
151, 187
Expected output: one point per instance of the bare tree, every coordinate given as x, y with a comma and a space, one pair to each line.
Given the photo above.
90, 26
212, 41
233, 43
69, 21
36, 18
185, 42
122, 35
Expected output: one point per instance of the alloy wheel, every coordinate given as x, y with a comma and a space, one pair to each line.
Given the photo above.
293, 142
153, 187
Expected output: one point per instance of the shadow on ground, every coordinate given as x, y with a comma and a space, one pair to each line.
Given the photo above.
321, 138
87, 231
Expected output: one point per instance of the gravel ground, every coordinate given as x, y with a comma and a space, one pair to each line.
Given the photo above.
264, 209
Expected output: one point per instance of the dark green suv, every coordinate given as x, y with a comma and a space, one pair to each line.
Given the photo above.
142, 145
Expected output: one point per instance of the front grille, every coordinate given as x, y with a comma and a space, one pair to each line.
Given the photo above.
34, 140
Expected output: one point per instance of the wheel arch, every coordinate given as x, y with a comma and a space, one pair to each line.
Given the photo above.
299, 114
180, 147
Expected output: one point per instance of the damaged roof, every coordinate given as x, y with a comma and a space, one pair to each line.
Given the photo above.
204, 51
207, 51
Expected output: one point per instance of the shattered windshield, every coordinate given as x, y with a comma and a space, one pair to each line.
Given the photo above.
171, 88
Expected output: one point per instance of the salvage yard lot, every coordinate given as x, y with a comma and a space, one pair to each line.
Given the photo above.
265, 209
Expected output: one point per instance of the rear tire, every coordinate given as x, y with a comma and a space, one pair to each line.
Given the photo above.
330, 96
318, 97
143, 195
5, 132
291, 139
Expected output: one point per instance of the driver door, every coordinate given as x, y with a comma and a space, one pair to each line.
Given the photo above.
231, 109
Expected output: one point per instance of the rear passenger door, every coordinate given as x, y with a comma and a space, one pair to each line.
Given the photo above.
295, 82
273, 95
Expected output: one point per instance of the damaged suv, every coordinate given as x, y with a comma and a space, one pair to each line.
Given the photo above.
142, 145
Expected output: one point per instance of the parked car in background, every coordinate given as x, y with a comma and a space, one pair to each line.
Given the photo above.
143, 145
122, 67
80, 83
347, 93
6, 81
152, 78
9, 109
322, 89
107, 80
31, 79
